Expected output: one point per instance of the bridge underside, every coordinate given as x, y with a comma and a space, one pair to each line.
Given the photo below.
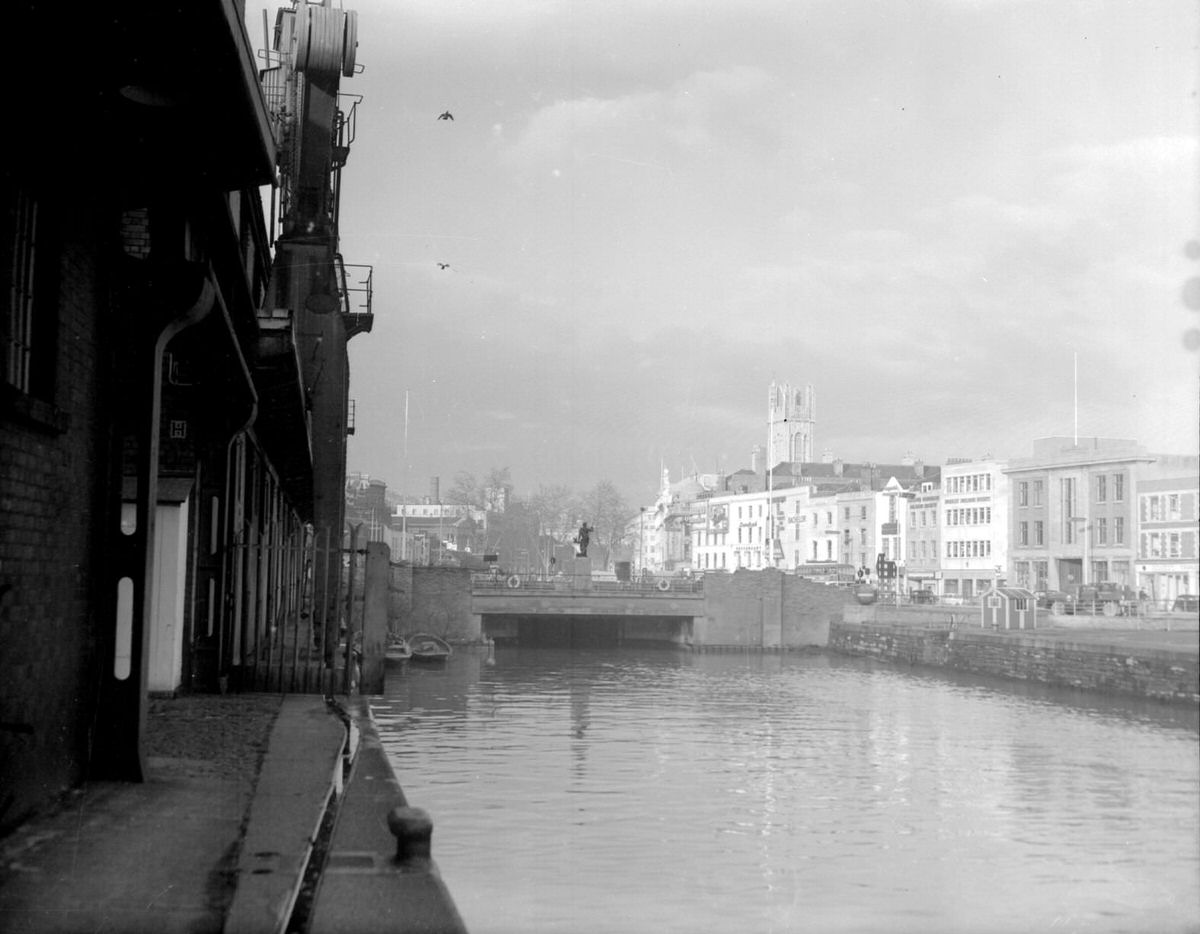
587, 630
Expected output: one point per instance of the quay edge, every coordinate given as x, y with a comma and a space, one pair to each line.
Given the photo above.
1150, 664
378, 872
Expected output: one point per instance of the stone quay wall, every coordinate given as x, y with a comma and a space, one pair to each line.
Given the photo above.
1110, 667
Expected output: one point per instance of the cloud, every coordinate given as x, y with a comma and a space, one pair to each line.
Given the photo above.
704, 110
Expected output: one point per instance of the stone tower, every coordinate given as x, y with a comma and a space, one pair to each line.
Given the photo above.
791, 423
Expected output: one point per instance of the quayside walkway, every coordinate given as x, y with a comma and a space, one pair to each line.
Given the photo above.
262, 813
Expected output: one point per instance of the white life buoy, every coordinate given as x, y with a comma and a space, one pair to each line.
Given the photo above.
513, 582
664, 584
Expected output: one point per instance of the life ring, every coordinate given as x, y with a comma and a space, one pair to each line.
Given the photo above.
664, 584
513, 582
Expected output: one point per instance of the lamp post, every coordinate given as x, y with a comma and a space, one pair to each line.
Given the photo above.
641, 542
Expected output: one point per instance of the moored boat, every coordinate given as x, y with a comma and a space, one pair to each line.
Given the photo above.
397, 651
426, 647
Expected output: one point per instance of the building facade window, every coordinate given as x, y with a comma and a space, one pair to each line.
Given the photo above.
1023, 493
1118, 487
1039, 532
1101, 531
1024, 533
1119, 530
1101, 489
1039, 490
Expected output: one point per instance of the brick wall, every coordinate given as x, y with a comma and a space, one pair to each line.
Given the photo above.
51, 522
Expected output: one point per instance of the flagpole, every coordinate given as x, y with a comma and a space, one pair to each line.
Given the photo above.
1076, 391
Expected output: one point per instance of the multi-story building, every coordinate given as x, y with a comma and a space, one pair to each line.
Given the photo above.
747, 530
923, 549
974, 527
827, 537
1167, 495
1072, 513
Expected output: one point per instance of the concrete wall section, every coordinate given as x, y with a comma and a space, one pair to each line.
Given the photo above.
766, 610
433, 599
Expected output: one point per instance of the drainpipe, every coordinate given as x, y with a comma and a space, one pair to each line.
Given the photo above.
232, 540
120, 754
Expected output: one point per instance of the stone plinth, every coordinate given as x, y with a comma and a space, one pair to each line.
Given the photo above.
580, 570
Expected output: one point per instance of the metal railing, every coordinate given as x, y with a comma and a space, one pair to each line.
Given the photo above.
516, 584
357, 288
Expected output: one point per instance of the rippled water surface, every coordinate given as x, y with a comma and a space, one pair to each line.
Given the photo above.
653, 791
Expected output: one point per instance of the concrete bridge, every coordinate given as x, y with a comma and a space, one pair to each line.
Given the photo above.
754, 610
581, 610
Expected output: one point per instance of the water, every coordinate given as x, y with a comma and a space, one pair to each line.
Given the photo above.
631, 791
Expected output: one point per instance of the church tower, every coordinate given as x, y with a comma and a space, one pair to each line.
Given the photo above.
791, 423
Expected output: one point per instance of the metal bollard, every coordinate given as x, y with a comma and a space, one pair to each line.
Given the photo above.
413, 830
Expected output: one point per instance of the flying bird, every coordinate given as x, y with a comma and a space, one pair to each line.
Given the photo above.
443, 265
446, 116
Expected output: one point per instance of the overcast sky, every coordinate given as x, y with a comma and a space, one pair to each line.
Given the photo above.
653, 208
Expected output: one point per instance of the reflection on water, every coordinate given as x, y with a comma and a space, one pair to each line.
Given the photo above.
641, 790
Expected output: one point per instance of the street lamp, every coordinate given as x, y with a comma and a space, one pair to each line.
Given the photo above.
641, 542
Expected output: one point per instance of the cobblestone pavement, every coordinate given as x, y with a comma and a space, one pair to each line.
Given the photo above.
160, 856
209, 735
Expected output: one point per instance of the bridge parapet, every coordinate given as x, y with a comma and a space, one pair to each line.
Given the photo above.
483, 584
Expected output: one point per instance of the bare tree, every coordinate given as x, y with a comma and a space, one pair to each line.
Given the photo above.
466, 490
556, 508
497, 489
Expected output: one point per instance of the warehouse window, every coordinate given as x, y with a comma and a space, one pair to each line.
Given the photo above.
29, 288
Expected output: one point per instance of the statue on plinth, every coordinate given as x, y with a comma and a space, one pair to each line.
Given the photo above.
582, 539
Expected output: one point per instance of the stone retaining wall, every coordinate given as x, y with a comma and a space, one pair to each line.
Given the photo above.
1160, 674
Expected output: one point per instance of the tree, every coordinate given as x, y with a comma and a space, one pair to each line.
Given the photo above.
466, 490
556, 508
497, 488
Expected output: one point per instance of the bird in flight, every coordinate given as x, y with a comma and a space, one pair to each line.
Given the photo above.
446, 116
443, 265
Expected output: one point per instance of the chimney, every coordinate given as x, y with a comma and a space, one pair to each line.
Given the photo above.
837, 467
757, 458
435, 494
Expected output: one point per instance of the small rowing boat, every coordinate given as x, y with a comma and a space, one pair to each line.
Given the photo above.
397, 651
426, 647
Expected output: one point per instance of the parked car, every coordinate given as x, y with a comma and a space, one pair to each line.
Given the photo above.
1107, 598
1057, 602
1186, 603
922, 596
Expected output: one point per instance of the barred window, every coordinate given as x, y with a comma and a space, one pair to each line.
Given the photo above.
28, 324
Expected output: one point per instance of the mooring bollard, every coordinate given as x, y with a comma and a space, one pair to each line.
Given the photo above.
413, 830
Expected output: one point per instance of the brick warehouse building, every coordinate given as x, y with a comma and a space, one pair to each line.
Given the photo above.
167, 457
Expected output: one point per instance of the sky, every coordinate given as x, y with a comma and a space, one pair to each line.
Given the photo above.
965, 223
